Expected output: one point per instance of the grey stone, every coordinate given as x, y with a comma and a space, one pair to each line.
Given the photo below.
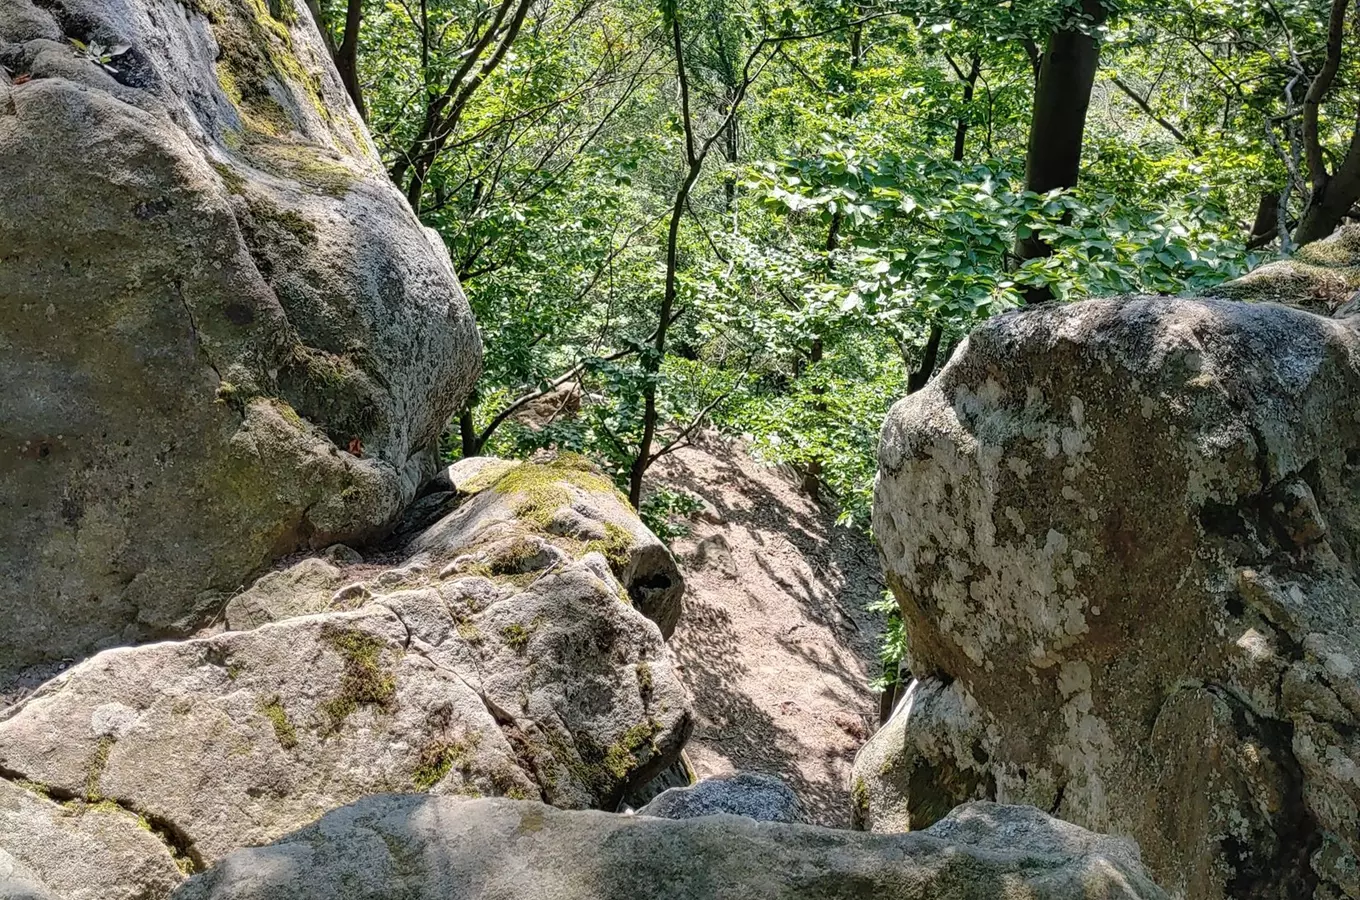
435, 848
551, 689
1123, 535
298, 590
925, 760
19, 882
760, 797
78, 850
565, 502
212, 295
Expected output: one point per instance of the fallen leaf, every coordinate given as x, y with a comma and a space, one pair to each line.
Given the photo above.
24, 78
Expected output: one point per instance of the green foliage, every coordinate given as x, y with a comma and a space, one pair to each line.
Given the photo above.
664, 511
892, 648
868, 197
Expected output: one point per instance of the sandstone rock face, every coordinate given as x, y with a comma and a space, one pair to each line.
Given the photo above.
531, 677
223, 334
1124, 535
760, 797
434, 847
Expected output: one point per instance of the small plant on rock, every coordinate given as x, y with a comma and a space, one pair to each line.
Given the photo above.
98, 54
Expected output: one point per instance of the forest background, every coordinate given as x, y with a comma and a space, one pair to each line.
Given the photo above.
778, 217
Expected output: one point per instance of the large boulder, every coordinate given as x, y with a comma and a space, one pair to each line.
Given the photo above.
751, 794
506, 668
224, 335
434, 848
1123, 535
569, 504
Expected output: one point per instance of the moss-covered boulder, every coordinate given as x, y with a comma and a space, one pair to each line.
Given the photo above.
1322, 277
223, 334
1124, 535
554, 691
74, 848
563, 501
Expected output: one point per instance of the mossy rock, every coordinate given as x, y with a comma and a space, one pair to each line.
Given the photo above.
1321, 277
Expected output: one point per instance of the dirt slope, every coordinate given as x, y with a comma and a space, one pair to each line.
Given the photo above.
774, 641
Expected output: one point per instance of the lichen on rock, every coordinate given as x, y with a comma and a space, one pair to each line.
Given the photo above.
1122, 535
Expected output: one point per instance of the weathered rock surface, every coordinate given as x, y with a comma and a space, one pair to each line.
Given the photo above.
223, 334
532, 676
435, 847
567, 504
760, 797
920, 764
78, 850
1123, 535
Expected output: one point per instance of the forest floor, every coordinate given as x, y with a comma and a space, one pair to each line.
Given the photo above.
775, 642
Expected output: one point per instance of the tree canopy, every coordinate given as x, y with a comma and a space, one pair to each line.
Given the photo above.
779, 216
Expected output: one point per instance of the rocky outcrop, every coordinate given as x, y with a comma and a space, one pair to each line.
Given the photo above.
434, 847
569, 505
487, 661
1123, 535
760, 797
225, 335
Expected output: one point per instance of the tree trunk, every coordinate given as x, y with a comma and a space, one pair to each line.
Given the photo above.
347, 56
1267, 217
1326, 211
1334, 198
1058, 123
961, 127
467, 431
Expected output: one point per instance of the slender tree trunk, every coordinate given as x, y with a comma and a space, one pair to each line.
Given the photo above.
1062, 97
917, 380
467, 431
651, 362
1333, 193
347, 55
961, 128
1267, 216
730, 154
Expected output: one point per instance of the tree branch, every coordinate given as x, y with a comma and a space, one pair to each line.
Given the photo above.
1317, 92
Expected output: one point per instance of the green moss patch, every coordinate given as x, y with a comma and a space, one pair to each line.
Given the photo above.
35, 787
95, 770
516, 636
366, 680
620, 759
437, 759
859, 802
271, 222
615, 546
331, 391
273, 710
540, 489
